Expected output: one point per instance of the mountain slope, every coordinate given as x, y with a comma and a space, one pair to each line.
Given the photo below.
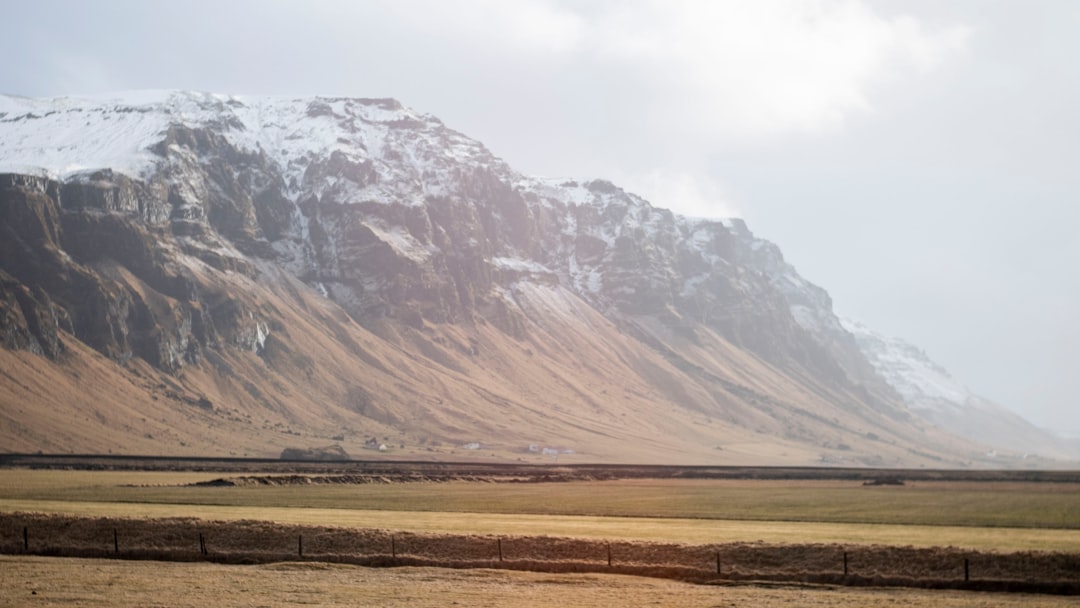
933, 394
194, 273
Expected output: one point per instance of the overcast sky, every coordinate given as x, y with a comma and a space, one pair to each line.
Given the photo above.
916, 159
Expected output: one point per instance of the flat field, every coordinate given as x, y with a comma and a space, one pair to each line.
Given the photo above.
996, 516
987, 516
90, 583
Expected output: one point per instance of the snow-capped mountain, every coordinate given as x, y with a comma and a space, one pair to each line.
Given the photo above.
932, 393
301, 270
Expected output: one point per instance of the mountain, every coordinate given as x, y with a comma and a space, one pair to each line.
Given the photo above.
933, 394
188, 273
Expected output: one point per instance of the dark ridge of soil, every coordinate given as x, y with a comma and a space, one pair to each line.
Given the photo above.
884, 481
356, 479
253, 542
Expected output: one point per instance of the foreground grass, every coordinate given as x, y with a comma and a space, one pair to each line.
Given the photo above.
89, 582
994, 516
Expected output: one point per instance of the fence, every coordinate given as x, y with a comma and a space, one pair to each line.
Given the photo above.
263, 542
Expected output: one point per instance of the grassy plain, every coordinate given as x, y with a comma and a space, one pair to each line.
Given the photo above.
983, 515
89, 583
994, 516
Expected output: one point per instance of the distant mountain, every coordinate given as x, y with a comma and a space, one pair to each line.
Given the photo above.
932, 393
188, 273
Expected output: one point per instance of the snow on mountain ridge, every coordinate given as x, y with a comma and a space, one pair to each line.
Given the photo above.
936, 396
67, 136
922, 382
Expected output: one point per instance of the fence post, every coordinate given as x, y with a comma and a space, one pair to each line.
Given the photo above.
115, 542
845, 563
26, 539
393, 547
609, 555
966, 571
300, 545
718, 562
500, 550
202, 544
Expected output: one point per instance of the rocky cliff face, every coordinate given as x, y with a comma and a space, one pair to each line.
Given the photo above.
179, 229
400, 217
83, 258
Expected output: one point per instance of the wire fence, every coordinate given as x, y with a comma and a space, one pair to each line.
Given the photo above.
253, 542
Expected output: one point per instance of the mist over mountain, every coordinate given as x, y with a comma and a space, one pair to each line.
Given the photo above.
933, 394
188, 273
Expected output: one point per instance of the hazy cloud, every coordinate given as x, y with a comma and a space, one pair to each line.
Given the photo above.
755, 68
497, 25
694, 194
74, 71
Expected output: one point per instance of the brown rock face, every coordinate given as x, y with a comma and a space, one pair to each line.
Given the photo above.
104, 275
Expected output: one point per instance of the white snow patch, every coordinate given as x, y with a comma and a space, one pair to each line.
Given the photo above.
520, 265
401, 241
555, 301
63, 136
566, 191
909, 370
262, 332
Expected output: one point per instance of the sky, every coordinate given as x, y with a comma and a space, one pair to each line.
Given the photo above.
916, 159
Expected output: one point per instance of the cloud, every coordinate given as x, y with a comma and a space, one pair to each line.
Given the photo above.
686, 193
519, 26
735, 69
768, 67
78, 72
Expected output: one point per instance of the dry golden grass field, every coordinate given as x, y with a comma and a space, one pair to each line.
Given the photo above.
54, 582
1003, 516
646, 521
92, 583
